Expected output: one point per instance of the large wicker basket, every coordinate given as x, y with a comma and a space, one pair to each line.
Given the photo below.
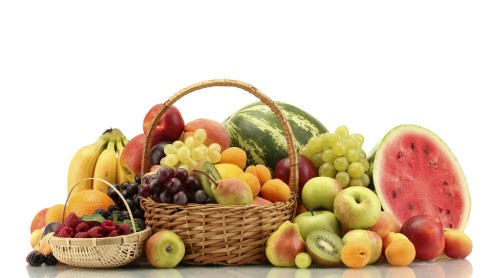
218, 234
105, 252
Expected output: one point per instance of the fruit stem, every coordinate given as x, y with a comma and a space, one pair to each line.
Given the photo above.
207, 175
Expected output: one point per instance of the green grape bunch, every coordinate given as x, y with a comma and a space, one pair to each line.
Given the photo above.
339, 155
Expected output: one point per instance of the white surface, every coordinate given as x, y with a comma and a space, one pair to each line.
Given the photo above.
70, 70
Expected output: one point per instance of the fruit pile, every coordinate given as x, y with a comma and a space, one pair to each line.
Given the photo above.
407, 200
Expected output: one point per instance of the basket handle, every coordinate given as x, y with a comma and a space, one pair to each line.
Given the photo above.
292, 151
109, 185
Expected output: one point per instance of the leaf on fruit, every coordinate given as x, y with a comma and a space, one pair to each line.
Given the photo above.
93, 217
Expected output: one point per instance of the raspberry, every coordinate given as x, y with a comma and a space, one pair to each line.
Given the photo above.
113, 233
82, 235
58, 228
35, 258
123, 229
108, 226
96, 232
93, 224
82, 227
72, 220
66, 232
50, 259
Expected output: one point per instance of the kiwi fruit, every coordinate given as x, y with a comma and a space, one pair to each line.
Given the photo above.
324, 246
208, 175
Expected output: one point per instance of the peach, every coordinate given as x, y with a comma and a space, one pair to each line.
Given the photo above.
38, 220
260, 201
131, 157
216, 132
385, 224
457, 244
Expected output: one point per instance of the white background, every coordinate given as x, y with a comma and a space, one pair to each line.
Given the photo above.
69, 70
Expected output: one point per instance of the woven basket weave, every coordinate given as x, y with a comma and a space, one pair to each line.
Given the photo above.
105, 252
218, 234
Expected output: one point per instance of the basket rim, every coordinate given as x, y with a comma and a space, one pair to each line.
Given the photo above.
288, 132
102, 241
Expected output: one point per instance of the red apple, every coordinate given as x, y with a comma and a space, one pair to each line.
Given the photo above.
426, 233
170, 126
306, 170
131, 157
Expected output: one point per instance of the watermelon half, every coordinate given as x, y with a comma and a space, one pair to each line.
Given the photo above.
414, 172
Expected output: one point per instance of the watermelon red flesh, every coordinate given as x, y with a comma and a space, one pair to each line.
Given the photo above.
414, 172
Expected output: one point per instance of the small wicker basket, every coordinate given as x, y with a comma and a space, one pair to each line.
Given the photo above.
218, 234
105, 252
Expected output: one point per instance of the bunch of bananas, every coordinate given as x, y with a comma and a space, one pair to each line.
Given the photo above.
99, 160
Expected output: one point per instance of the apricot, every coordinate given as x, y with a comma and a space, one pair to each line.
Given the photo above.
355, 254
261, 171
390, 237
43, 246
400, 252
252, 180
275, 190
457, 244
234, 155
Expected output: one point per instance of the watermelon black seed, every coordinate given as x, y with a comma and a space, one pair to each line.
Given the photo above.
394, 194
450, 225
448, 211
412, 146
400, 154
440, 210
426, 150
410, 206
445, 183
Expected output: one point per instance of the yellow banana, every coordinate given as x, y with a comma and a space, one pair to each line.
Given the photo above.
83, 163
105, 167
122, 174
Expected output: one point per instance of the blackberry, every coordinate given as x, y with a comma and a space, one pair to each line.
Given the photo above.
122, 215
113, 208
102, 212
140, 224
35, 258
50, 259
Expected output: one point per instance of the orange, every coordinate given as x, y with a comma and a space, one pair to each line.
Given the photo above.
54, 213
87, 201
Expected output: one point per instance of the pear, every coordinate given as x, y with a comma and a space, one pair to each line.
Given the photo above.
284, 244
232, 191
229, 191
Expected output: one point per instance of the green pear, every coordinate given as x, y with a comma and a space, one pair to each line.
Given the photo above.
232, 191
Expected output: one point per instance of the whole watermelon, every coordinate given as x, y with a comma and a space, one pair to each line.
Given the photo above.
257, 130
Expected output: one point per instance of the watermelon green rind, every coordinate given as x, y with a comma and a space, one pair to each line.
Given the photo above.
423, 179
257, 130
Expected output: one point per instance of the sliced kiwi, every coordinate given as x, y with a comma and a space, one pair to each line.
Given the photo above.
208, 169
324, 247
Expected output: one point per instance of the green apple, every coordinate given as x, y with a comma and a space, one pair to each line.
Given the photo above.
357, 207
319, 193
370, 237
164, 249
317, 219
